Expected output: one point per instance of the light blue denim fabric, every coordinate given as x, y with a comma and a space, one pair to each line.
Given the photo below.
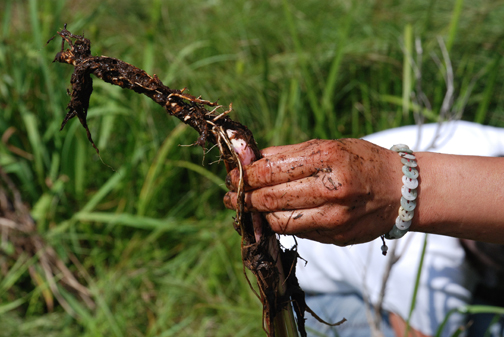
332, 308
487, 325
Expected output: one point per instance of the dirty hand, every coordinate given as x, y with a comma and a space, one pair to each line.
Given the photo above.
333, 191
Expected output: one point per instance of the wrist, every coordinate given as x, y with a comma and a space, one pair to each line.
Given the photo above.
460, 196
440, 196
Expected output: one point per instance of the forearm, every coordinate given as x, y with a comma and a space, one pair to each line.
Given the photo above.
461, 196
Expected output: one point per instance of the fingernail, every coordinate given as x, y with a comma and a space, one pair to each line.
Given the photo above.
229, 185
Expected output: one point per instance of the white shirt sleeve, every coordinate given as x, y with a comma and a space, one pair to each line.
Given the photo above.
457, 137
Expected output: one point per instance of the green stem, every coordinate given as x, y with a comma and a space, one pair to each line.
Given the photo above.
417, 283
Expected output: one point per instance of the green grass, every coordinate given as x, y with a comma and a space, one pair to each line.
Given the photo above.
156, 246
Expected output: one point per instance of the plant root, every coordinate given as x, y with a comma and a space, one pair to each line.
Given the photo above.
260, 249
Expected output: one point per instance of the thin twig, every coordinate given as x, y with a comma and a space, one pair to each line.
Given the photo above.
448, 98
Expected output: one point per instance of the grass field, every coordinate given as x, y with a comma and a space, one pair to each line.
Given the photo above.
153, 241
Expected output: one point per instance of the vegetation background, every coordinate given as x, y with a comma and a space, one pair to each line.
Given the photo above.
155, 245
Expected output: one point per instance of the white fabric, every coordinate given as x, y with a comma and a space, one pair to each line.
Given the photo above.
446, 279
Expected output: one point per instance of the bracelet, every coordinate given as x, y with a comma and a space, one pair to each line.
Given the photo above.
409, 194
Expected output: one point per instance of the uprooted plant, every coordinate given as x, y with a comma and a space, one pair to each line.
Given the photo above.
273, 267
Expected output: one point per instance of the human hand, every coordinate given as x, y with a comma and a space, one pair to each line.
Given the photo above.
333, 191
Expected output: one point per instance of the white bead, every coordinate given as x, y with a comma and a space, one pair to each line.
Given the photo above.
396, 233
408, 205
409, 162
407, 155
409, 193
410, 172
409, 182
402, 225
405, 215
401, 148
398, 146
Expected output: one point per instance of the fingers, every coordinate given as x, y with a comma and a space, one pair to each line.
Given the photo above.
325, 236
320, 236
304, 193
283, 164
308, 220
269, 171
336, 224
297, 221
274, 150
332, 225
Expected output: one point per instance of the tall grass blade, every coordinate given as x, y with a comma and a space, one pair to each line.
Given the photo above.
470, 309
307, 76
112, 323
92, 203
330, 85
176, 65
55, 166
35, 23
277, 132
417, 284
452, 31
140, 222
201, 171
79, 164
86, 317
32, 128
6, 19
4, 308
43, 61
482, 111
40, 210
148, 187
407, 78
176, 328
106, 128
410, 106
16, 271
155, 13
366, 108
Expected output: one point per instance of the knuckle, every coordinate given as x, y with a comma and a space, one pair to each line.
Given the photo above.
343, 227
343, 238
229, 181
347, 238
331, 187
264, 172
228, 201
233, 179
336, 219
277, 224
270, 202
313, 142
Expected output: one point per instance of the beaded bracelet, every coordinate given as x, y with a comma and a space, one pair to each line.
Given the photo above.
409, 194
